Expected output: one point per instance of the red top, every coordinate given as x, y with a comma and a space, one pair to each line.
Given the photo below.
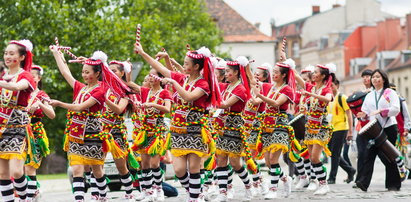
158, 98
96, 93
270, 93
239, 91
23, 96
40, 95
201, 83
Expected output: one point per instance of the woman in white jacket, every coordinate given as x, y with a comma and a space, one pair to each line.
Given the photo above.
382, 103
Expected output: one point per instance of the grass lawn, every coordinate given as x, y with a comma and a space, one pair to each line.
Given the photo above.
52, 176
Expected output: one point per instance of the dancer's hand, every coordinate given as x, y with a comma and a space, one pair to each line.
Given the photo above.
138, 48
161, 55
55, 103
167, 81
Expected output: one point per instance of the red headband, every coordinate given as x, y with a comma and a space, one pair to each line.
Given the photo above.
244, 78
40, 69
29, 56
93, 62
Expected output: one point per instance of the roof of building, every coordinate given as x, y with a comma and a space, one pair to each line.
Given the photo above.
235, 28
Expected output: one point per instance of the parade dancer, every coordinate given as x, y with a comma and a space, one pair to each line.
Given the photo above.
252, 115
303, 164
318, 132
16, 85
231, 142
116, 103
383, 104
277, 137
190, 135
151, 137
83, 143
38, 107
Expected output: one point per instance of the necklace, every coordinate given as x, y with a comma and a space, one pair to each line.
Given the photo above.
314, 101
83, 92
191, 85
273, 94
229, 90
7, 95
151, 110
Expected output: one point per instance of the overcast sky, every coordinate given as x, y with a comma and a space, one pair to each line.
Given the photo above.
283, 11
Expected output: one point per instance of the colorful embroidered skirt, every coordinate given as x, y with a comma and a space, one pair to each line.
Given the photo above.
229, 141
89, 153
275, 137
189, 139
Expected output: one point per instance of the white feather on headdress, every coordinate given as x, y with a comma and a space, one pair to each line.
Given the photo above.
222, 63
290, 62
27, 43
310, 68
267, 65
243, 61
204, 51
100, 55
331, 67
214, 61
127, 67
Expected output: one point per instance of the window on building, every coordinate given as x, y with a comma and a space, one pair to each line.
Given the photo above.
296, 50
406, 94
399, 83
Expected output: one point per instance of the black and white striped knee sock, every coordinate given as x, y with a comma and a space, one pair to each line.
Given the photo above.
195, 186
93, 186
222, 177
20, 185
275, 174
320, 171
78, 188
256, 177
6, 189
31, 186
102, 186
158, 176
230, 175
307, 166
243, 174
88, 176
184, 180
400, 162
300, 167
148, 178
127, 182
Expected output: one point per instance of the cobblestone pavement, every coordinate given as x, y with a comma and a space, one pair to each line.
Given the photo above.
59, 190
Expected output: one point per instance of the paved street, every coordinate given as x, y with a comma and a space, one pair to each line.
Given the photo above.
59, 190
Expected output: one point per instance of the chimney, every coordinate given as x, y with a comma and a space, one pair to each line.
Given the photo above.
273, 27
336, 5
257, 24
408, 30
316, 9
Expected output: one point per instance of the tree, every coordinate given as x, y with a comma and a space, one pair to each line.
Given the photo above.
107, 25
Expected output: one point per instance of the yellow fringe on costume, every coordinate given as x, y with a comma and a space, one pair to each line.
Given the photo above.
34, 164
66, 143
81, 160
230, 154
115, 150
181, 152
275, 147
321, 143
14, 156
